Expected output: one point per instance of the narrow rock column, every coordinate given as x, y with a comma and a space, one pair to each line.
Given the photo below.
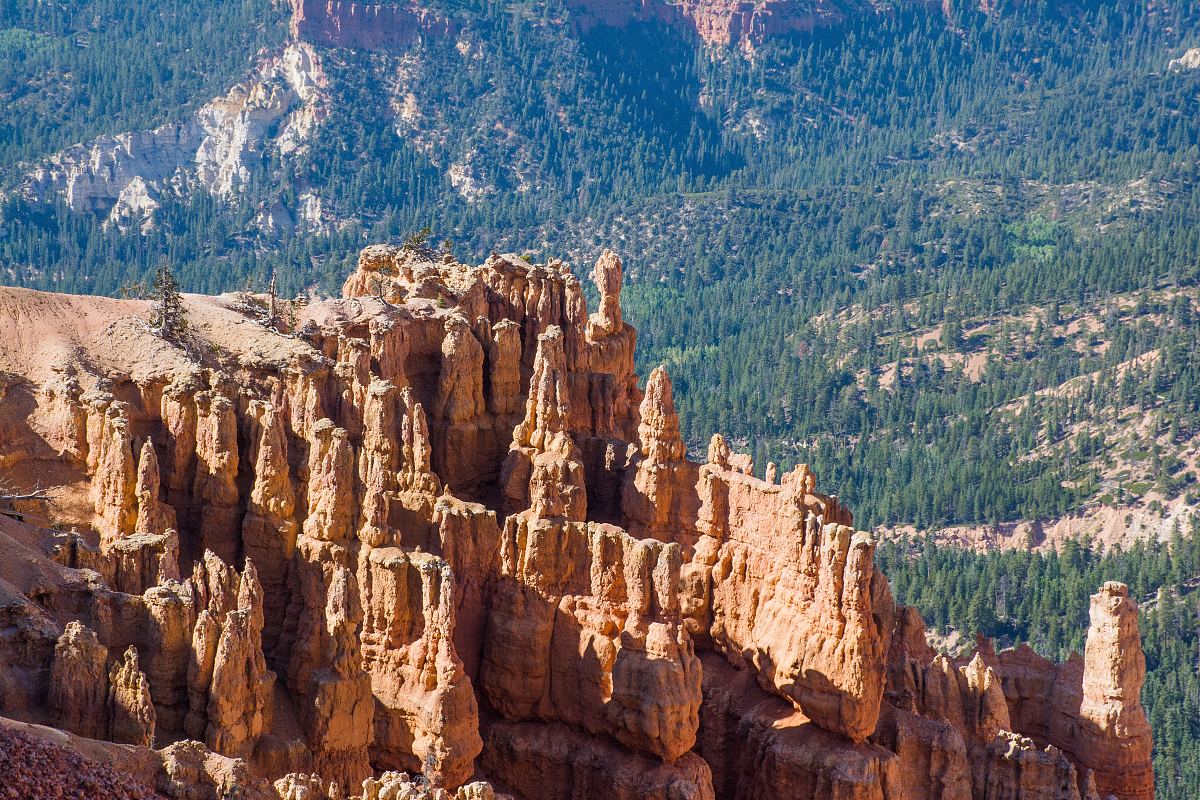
131, 712
171, 613
459, 413
154, 517
416, 475
460, 384
985, 710
269, 528
147, 555
331, 514
1114, 734
114, 485
378, 462
215, 493
611, 343
79, 682
240, 697
543, 470
608, 275
324, 663
178, 411
504, 369
651, 494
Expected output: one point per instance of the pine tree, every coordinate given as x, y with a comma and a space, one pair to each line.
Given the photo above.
168, 318
418, 243
270, 314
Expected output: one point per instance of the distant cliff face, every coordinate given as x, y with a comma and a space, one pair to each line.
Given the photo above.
275, 112
391, 26
718, 22
123, 177
366, 26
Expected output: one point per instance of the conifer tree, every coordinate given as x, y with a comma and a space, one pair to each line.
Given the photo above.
168, 318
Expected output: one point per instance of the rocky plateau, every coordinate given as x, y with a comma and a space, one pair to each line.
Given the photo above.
435, 539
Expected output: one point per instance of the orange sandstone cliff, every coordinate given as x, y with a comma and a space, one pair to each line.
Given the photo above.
435, 541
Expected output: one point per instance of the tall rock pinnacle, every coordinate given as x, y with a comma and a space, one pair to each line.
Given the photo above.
1114, 734
608, 275
543, 470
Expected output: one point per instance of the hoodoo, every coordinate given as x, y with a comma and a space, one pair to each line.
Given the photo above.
437, 527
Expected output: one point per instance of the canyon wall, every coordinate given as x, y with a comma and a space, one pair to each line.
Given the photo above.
366, 26
436, 534
716, 23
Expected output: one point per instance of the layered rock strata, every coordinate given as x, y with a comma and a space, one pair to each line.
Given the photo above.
438, 528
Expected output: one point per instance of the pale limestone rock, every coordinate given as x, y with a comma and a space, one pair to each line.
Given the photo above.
217, 147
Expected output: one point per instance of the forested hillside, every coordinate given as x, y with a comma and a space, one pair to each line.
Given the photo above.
950, 260
72, 71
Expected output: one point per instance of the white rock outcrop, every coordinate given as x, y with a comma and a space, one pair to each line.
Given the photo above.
123, 177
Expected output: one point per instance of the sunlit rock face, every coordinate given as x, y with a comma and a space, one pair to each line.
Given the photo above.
436, 538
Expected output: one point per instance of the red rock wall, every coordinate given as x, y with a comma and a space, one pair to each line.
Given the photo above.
364, 26
441, 529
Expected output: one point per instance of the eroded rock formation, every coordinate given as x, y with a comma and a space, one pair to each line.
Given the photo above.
130, 709
469, 546
78, 697
1114, 734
